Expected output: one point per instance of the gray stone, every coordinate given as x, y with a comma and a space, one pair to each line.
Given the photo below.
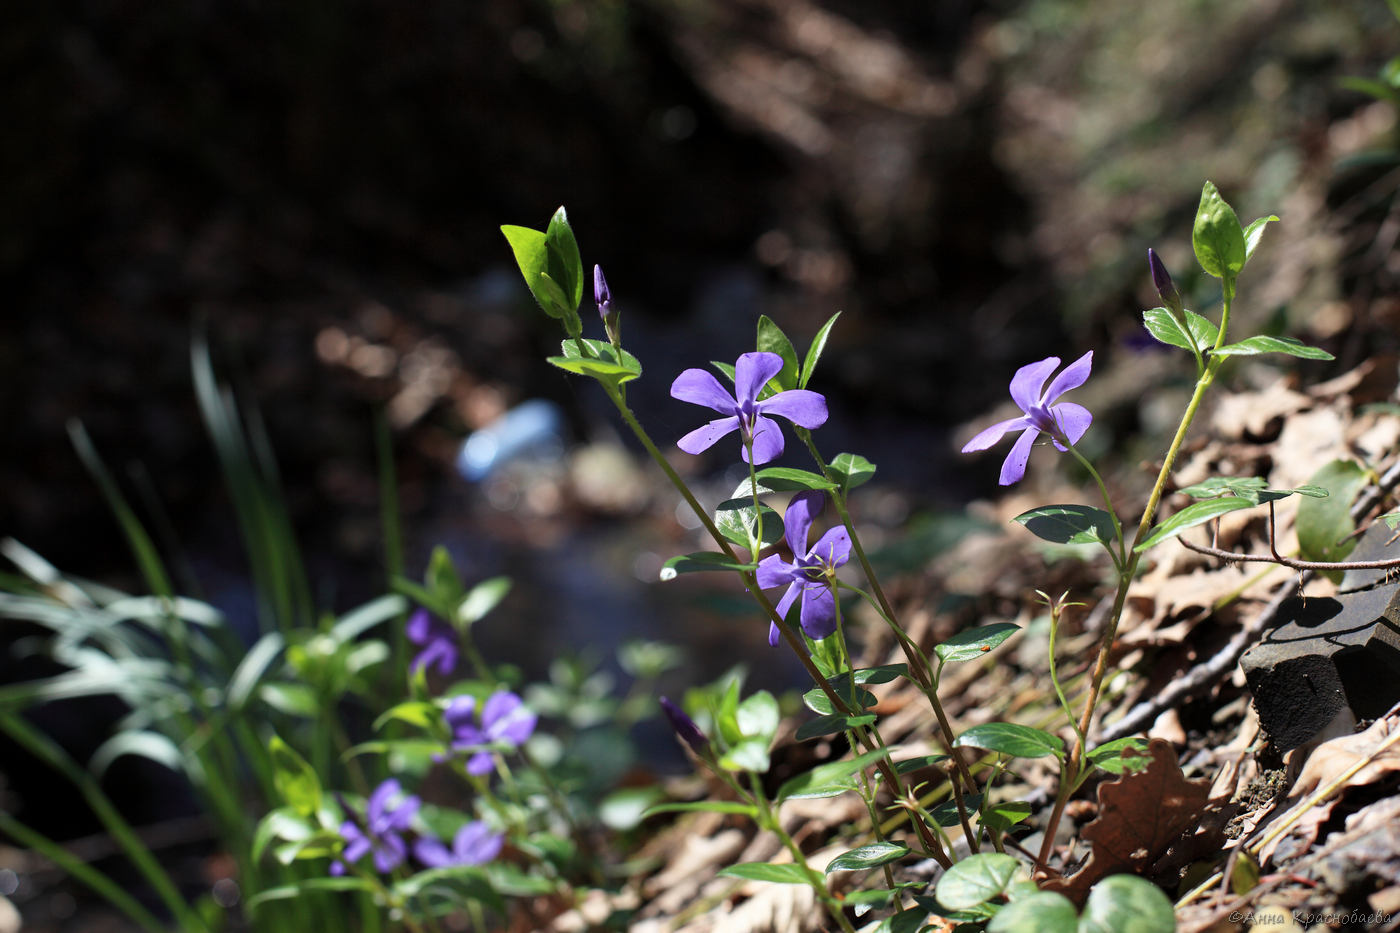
1326, 653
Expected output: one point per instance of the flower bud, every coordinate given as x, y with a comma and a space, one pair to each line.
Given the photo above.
685, 728
602, 297
1165, 286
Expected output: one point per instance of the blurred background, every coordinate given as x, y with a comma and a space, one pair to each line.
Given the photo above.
319, 187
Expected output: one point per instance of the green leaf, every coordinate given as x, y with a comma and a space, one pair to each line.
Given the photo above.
909, 765
1162, 325
747, 755
1392, 520
482, 598
1253, 488
252, 669
737, 520
626, 807
1254, 233
701, 562
1127, 904
851, 470
827, 780
785, 479
1289, 345
282, 823
975, 880
786, 873
1002, 816
442, 578
975, 642
725, 369
565, 266
1324, 525
150, 745
946, 813
1197, 513
841, 683
459, 882
295, 699
1109, 756
532, 256
758, 717
818, 702
294, 778
1012, 739
1217, 237
814, 352
299, 889
1069, 524
871, 856
771, 339
1042, 912
826, 725
415, 712
705, 806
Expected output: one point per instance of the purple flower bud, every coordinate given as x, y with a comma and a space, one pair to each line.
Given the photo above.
1163, 280
685, 728
601, 296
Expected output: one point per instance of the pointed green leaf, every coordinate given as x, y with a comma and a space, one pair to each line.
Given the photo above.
565, 266
814, 352
1196, 514
419, 713
771, 339
750, 755
786, 873
1164, 327
917, 764
758, 717
1109, 756
1042, 912
785, 479
1289, 345
294, 778
532, 256
151, 745
1012, 739
974, 880
946, 813
817, 701
1002, 816
1254, 233
826, 725
482, 598
1217, 237
975, 642
701, 562
827, 780
871, 856
1069, 524
1254, 488
852, 470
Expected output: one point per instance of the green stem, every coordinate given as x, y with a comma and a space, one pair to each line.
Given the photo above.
769, 820
1120, 559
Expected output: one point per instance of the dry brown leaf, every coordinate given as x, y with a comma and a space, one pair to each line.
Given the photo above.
1252, 413
1141, 813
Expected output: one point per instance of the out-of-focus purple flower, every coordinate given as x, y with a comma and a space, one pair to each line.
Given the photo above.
685, 728
474, 844
388, 814
437, 639
743, 410
807, 575
1162, 279
505, 720
1065, 422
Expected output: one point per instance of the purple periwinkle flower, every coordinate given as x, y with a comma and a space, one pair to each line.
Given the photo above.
743, 410
437, 639
474, 844
505, 720
1166, 288
808, 576
387, 816
601, 296
1065, 422
685, 728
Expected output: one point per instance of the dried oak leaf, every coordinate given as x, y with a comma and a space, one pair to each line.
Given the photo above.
1141, 813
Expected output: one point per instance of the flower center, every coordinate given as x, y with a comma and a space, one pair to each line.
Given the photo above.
812, 568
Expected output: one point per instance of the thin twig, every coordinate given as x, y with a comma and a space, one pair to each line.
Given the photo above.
1274, 557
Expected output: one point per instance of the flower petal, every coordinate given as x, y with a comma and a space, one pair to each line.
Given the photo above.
834, 547
818, 610
774, 571
700, 387
797, 520
459, 712
1073, 376
480, 763
1014, 466
390, 852
476, 844
767, 441
773, 635
752, 372
1073, 420
800, 406
784, 604
418, 626
432, 853
1025, 385
404, 813
379, 800
996, 432
704, 436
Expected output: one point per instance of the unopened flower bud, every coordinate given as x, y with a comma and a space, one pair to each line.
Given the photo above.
685, 728
602, 297
1165, 286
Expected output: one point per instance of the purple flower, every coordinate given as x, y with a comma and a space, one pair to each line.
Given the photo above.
388, 814
1162, 279
685, 728
1065, 423
437, 639
807, 575
505, 720
474, 844
743, 410
601, 296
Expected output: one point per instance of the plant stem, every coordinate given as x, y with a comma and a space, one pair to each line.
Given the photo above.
769, 820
